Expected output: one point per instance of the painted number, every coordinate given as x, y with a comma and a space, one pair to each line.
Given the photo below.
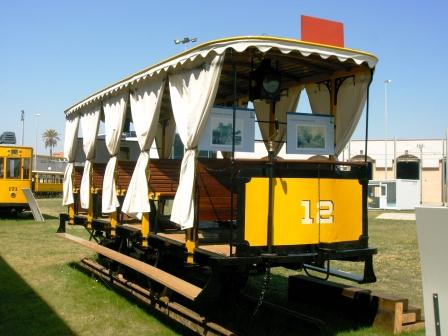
12, 189
324, 212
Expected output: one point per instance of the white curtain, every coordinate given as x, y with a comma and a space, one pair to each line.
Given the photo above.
192, 95
90, 122
167, 126
145, 108
286, 104
319, 98
70, 138
351, 99
114, 115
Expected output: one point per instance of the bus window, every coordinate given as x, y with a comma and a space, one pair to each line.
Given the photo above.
13, 168
26, 169
2, 167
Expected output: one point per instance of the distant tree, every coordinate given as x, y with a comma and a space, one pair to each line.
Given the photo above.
51, 138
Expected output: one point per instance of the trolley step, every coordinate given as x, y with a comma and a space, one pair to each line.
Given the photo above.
172, 282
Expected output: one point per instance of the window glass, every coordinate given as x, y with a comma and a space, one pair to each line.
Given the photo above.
13, 168
2, 167
26, 169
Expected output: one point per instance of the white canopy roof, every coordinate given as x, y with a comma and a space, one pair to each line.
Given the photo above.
308, 54
208, 75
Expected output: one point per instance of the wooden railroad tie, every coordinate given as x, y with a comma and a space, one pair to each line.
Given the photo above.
389, 313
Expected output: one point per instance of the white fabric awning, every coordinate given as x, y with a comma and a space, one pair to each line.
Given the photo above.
114, 115
263, 44
192, 95
90, 122
71, 132
145, 108
286, 104
352, 97
204, 76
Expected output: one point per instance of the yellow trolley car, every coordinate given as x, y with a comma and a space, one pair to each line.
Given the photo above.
47, 182
231, 217
15, 175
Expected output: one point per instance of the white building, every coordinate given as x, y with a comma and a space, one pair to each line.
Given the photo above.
403, 158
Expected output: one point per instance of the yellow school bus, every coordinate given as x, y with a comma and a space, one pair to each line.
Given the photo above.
15, 175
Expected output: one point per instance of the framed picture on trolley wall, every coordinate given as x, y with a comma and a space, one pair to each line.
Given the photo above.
218, 132
309, 134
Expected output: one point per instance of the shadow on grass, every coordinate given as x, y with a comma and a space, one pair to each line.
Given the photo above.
26, 215
238, 315
339, 315
23, 311
46, 216
168, 322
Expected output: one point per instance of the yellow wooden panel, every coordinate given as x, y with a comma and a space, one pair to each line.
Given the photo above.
306, 211
15, 151
347, 212
290, 225
48, 187
11, 190
256, 211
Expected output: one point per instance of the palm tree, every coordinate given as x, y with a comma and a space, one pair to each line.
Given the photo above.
51, 138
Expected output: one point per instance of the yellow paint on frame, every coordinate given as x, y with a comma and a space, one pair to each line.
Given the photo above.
306, 211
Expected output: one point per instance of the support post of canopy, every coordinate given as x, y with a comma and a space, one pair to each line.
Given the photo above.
271, 155
191, 238
145, 228
71, 214
367, 116
90, 210
333, 107
232, 166
113, 217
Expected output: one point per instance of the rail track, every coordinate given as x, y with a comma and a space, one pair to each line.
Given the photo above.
244, 314
234, 315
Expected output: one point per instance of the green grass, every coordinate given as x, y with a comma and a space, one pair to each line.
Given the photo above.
397, 267
42, 293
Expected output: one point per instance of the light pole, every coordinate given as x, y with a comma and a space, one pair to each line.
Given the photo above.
446, 167
35, 144
185, 40
420, 147
22, 119
387, 81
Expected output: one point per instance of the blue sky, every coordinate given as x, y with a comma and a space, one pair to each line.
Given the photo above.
54, 53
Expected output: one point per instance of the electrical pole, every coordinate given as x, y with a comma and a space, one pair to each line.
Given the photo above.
387, 81
22, 119
446, 167
420, 147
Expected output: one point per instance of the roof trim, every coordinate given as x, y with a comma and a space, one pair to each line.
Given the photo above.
239, 44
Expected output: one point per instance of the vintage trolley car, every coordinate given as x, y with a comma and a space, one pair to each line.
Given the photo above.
225, 217
15, 175
47, 182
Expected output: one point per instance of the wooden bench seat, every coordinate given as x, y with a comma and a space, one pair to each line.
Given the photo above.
213, 183
213, 187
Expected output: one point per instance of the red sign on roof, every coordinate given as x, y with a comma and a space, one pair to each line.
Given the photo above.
322, 31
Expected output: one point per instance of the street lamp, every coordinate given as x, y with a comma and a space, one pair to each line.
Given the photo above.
185, 40
22, 119
35, 144
420, 147
387, 81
